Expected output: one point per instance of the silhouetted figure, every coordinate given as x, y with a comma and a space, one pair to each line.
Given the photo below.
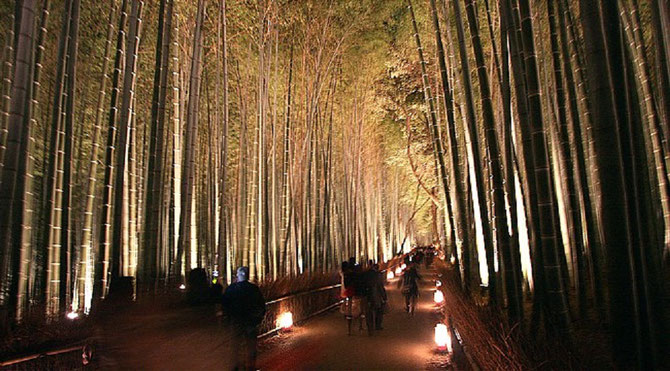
244, 307
347, 293
430, 254
359, 300
376, 298
409, 284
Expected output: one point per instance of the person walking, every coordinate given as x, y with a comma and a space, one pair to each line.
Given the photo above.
376, 298
409, 286
347, 293
244, 307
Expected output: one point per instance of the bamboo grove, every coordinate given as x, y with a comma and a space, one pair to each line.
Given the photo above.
528, 139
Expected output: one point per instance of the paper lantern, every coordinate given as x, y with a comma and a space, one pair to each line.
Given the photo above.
389, 275
398, 271
438, 283
182, 287
73, 315
438, 297
286, 320
442, 338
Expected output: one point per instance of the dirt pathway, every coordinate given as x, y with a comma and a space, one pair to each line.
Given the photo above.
406, 343
190, 339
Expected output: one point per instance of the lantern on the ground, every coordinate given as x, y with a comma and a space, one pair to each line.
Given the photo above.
438, 283
389, 275
286, 320
398, 271
403, 266
442, 338
182, 287
438, 297
73, 315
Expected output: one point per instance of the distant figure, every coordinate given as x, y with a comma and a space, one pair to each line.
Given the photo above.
409, 284
430, 254
359, 301
376, 298
244, 306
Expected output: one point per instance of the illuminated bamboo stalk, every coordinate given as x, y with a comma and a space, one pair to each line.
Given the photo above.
547, 226
475, 148
574, 220
16, 200
631, 23
510, 154
660, 21
7, 78
176, 154
224, 212
67, 157
120, 216
104, 245
86, 264
153, 237
258, 270
188, 175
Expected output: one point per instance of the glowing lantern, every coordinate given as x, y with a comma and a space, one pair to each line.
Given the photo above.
286, 320
73, 315
398, 271
389, 275
453, 259
438, 283
403, 266
182, 287
438, 297
442, 338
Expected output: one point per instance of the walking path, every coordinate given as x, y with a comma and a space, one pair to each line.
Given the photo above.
406, 343
189, 339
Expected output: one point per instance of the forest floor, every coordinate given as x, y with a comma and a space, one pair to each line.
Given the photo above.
193, 339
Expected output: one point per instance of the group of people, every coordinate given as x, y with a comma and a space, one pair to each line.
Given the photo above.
362, 290
364, 295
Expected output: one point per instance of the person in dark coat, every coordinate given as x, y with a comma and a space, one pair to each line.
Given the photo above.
376, 297
409, 284
244, 307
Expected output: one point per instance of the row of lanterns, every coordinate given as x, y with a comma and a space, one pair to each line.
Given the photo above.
442, 337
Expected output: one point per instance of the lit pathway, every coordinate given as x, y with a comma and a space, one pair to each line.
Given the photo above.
406, 343
189, 339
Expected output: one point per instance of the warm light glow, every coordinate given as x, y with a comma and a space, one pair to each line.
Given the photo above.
403, 266
442, 338
398, 271
453, 259
438, 297
286, 320
182, 287
390, 275
438, 283
73, 315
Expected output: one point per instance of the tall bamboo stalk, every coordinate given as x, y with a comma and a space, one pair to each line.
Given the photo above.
184, 241
15, 199
120, 216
